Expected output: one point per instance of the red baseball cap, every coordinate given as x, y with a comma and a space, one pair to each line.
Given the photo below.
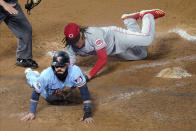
72, 33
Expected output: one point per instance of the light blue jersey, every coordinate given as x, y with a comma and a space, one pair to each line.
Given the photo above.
47, 82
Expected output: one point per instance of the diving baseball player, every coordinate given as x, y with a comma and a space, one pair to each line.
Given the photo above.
127, 43
53, 80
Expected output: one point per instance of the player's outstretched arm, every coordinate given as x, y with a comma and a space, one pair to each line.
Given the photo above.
8, 7
102, 59
87, 118
33, 105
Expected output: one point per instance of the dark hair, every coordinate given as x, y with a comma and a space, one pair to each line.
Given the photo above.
82, 30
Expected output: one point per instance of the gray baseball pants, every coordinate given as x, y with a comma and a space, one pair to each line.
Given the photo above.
21, 28
133, 40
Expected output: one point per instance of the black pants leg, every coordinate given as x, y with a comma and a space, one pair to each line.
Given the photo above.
22, 29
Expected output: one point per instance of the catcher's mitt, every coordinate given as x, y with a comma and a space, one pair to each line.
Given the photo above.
31, 4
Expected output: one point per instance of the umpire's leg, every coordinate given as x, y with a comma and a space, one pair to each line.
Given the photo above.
21, 27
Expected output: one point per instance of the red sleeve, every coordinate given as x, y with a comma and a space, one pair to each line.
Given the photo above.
102, 59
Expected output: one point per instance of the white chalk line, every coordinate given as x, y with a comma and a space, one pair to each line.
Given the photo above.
121, 96
3, 90
183, 34
163, 117
17, 114
137, 91
155, 64
128, 95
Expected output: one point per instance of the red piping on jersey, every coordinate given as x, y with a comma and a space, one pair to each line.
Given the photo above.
145, 34
102, 59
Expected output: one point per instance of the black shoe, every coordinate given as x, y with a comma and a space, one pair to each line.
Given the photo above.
26, 63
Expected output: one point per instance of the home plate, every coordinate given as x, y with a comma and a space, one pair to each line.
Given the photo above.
173, 72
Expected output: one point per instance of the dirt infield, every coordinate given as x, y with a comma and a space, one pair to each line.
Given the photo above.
127, 95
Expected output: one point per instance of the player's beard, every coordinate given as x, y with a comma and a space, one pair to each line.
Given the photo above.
61, 76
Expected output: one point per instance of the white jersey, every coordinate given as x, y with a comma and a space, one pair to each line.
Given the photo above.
128, 43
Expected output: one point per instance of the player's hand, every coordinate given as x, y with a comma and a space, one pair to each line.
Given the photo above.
9, 7
88, 120
88, 78
29, 116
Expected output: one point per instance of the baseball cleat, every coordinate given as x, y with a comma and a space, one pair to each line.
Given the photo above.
26, 63
155, 12
132, 15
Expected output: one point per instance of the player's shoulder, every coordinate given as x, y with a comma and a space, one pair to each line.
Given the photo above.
47, 72
74, 71
93, 30
76, 75
93, 34
73, 68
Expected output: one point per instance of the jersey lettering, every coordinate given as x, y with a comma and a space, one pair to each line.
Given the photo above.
79, 80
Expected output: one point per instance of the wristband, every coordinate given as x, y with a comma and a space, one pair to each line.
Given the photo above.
87, 112
33, 106
85, 93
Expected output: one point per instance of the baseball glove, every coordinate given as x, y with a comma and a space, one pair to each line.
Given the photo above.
31, 4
